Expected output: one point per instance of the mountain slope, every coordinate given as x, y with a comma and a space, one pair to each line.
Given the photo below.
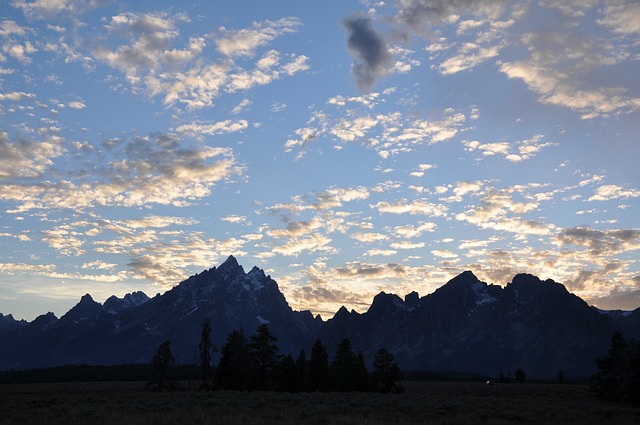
466, 325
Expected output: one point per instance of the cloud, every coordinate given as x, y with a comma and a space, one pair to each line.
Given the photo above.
411, 231
245, 42
24, 158
387, 133
190, 75
513, 152
155, 169
314, 242
611, 191
622, 17
44, 9
498, 210
77, 104
415, 207
372, 57
562, 69
599, 242
421, 14
220, 127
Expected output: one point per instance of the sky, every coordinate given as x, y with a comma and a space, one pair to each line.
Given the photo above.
345, 147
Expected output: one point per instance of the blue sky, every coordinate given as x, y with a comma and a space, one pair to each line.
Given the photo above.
347, 148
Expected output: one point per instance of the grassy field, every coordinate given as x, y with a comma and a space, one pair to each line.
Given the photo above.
422, 403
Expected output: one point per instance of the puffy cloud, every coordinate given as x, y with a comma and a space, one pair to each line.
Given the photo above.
186, 76
560, 70
514, 152
600, 242
622, 17
245, 42
24, 158
373, 59
312, 243
44, 9
420, 14
220, 127
77, 104
368, 237
158, 169
415, 207
611, 191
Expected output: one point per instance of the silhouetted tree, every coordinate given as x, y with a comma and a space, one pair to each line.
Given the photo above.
205, 354
286, 374
264, 352
318, 367
360, 374
520, 375
343, 368
233, 368
303, 372
618, 376
163, 359
560, 376
386, 372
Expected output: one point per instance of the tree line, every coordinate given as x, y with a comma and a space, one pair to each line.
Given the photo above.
255, 363
618, 376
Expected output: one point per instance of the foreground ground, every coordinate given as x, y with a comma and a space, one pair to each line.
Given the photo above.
422, 403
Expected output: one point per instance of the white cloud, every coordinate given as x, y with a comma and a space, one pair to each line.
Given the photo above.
245, 42
611, 191
220, 127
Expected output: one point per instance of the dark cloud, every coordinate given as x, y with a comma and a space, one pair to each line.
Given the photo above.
372, 57
418, 13
598, 241
619, 298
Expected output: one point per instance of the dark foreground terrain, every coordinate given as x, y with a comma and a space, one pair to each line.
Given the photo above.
422, 403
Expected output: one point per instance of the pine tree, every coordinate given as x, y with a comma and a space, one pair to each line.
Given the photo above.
303, 372
233, 369
286, 375
205, 354
318, 367
386, 372
163, 359
618, 376
343, 367
264, 353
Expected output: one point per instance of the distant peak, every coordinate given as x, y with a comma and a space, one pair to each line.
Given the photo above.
230, 261
466, 277
86, 298
230, 268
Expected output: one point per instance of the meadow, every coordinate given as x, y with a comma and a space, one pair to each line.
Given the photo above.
128, 403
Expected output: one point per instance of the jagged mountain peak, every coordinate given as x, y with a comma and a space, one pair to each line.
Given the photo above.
86, 299
384, 303
86, 310
230, 268
117, 305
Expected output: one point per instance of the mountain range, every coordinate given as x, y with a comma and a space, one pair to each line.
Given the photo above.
466, 325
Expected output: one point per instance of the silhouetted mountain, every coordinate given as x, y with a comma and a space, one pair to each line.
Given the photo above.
8, 323
129, 330
466, 325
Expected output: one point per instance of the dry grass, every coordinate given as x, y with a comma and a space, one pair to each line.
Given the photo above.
422, 403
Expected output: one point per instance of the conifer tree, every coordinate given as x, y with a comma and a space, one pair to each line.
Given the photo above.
343, 367
618, 376
233, 368
264, 353
163, 359
303, 372
318, 367
386, 372
205, 354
